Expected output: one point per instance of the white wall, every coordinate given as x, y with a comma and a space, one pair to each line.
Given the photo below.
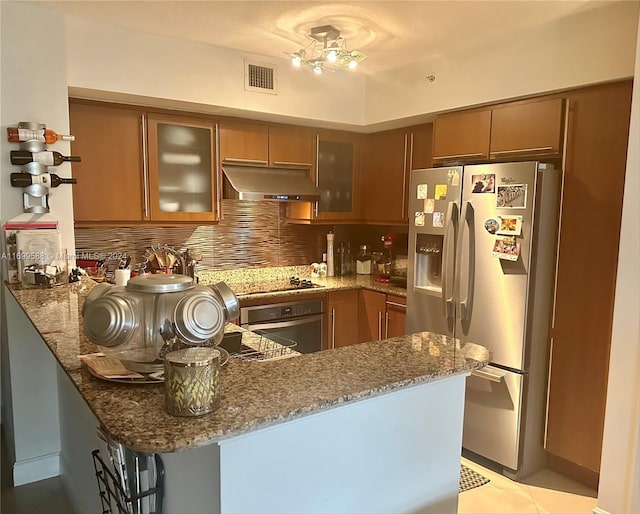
34, 88
619, 490
590, 47
124, 61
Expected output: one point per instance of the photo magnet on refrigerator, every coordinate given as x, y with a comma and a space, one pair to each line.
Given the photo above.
509, 225
429, 205
483, 183
438, 219
419, 219
512, 196
453, 177
491, 226
506, 248
441, 192
423, 189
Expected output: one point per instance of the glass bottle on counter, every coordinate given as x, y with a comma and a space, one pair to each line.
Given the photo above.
322, 269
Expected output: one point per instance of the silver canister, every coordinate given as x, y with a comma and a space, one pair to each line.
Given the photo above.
192, 381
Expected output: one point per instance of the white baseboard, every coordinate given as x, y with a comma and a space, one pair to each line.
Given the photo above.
598, 510
33, 470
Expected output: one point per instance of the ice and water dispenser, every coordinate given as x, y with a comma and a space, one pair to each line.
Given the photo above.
428, 262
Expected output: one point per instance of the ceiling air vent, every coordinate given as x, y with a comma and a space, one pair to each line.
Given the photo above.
260, 77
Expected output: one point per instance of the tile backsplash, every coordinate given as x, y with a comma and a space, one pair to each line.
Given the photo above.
252, 234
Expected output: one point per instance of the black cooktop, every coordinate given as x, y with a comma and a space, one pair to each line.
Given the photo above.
276, 286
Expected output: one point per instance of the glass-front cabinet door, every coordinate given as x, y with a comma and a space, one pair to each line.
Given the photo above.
336, 175
181, 169
337, 169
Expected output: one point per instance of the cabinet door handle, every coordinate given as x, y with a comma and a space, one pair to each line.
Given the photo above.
145, 169
317, 172
333, 328
522, 150
245, 161
219, 179
296, 164
379, 325
480, 154
386, 325
404, 175
395, 304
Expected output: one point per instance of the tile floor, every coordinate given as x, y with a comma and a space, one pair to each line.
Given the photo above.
544, 492
43, 497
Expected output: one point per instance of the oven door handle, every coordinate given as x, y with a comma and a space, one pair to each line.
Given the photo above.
282, 324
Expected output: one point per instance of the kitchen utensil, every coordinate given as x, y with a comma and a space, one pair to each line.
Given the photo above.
134, 323
170, 260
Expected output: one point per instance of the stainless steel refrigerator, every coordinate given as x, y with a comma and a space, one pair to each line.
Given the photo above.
482, 250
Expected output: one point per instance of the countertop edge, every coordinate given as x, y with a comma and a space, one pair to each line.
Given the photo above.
98, 394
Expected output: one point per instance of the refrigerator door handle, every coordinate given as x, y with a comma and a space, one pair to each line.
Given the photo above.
466, 219
482, 373
451, 222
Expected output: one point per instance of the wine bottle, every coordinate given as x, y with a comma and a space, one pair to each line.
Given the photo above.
17, 135
48, 157
46, 179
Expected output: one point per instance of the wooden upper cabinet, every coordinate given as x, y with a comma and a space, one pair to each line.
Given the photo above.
253, 144
387, 163
385, 176
291, 147
462, 136
110, 184
531, 128
244, 143
421, 147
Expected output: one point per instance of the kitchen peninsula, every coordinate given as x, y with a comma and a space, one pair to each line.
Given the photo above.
373, 427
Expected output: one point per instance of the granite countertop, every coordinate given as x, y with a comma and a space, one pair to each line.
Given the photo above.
254, 394
257, 282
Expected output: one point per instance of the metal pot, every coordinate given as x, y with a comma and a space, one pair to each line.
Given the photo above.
139, 322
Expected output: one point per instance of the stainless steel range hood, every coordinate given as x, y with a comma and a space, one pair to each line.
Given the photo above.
257, 183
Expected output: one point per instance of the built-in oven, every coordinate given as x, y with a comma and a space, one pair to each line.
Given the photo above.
301, 321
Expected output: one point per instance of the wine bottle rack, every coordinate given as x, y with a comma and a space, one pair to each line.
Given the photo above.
35, 196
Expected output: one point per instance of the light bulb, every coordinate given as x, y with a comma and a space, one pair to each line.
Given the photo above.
332, 56
353, 64
317, 68
296, 60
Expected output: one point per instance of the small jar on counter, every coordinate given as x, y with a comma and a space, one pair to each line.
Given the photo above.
363, 261
192, 381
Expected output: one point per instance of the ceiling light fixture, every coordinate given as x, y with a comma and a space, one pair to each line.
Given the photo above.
327, 48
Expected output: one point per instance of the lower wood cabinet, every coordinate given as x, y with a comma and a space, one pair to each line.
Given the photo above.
395, 316
360, 315
372, 315
380, 316
342, 318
